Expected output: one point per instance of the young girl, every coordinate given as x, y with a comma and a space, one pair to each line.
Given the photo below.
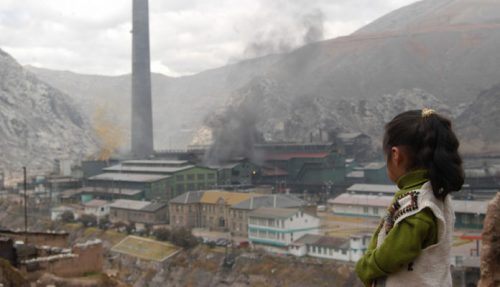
411, 246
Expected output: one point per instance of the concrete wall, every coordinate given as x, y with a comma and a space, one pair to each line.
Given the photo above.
85, 258
39, 238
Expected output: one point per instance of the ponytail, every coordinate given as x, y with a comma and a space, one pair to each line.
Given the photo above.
431, 144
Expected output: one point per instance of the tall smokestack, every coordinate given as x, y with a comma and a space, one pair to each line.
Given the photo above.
142, 114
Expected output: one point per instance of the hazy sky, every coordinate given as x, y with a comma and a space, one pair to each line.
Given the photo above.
187, 36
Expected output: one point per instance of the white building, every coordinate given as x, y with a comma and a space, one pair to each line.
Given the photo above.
373, 189
280, 227
344, 249
56, 212
99, 208
360, 204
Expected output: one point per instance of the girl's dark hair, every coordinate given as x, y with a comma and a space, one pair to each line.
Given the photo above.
431, 144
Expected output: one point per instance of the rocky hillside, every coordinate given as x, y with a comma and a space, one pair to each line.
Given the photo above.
38, 123
432, 53
478, 124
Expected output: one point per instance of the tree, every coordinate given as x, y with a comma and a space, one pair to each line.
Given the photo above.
88, 220
183, 237
67, 216
104, 222
162, 234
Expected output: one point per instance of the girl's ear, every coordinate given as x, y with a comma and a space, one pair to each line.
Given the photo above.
396, 156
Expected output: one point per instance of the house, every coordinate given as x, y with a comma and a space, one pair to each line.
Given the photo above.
373, 189
469, 214
343, 249
279, 227
223, 210
134, 211
56, 212
239, 212
96, 207
366, 205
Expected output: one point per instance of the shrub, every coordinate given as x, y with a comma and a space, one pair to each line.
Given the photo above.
88, 220
67, 216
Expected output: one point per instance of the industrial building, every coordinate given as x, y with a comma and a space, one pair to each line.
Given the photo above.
469, 214
159, 179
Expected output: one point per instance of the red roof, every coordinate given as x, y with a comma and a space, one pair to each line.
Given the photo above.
273, 171
290, 155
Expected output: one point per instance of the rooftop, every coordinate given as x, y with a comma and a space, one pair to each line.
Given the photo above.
266, 212
147, 169
275, 200
362, 199
374, 165
95, 203
213, 196
290, 155
121, 191
470, 206
323, 241
156, 162
375, 188
188, 197
129, 204
356, 174
128, 177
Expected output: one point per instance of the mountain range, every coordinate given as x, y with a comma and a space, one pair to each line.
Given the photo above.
38, 123
433, 53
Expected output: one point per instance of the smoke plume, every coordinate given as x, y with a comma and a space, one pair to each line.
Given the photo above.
235, 134
284, 30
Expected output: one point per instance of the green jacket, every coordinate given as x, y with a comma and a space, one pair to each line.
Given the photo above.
404, 241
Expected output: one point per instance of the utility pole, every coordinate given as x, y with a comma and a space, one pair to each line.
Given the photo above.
25, 207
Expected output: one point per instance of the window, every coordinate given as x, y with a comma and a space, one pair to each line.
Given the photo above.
330, 251
201, 186
211, 176
179, 177
365, 209
375, 210
190, 177
179, 187
201, 177
190, 186
344, 252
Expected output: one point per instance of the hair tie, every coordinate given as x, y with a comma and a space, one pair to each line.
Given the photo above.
427, 112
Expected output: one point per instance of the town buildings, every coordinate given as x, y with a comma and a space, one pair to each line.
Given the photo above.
223, 210
279, 227
343, 249
133, 211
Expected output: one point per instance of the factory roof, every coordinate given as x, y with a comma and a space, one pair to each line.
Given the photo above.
147, 169
188, 197
154, 206
156, 162
123, 191
273, 171
129, 204
373, 188
275, 200
266, 212
374, 165
213, 196
128, 177
349, 136
470, 206
356, 174
95, 203
362, 199
290, 155
323, 241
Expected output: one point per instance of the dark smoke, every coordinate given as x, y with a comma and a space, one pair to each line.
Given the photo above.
235, 134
